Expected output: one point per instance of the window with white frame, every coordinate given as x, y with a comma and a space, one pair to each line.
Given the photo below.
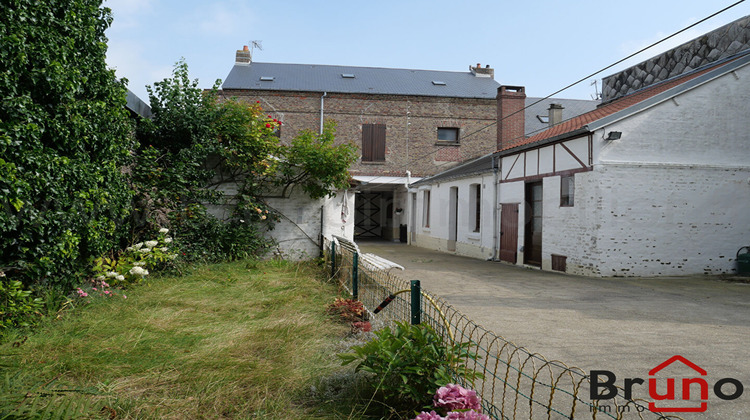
567, 190
475, 207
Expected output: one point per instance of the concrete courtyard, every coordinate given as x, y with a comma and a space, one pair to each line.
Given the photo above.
625, 325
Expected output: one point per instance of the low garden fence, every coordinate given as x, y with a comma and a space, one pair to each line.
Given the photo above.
516, 384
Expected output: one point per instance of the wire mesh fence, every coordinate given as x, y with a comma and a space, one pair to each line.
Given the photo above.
516, 384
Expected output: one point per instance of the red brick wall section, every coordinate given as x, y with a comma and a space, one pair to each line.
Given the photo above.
448, 154
411, 125
511, 101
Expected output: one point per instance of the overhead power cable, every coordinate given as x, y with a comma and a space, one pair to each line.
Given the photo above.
577, 82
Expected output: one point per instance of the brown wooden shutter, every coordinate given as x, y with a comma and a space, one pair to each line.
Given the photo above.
373, 142
378, 142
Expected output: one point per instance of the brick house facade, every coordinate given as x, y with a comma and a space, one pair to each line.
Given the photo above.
408, 124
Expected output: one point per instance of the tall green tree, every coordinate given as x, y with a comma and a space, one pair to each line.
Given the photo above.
64, 137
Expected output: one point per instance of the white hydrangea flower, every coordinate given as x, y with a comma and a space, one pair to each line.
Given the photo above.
100, 278
151, 244
164, 230
167, 240
120, 277
164, 249
138, 271
138, 245
145, 250
139, 264
111, 274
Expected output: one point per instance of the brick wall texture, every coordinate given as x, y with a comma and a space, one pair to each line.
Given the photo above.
411, 125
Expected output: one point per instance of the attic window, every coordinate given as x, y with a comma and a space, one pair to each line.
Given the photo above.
267, 78
438, 83
543, 119
347, 75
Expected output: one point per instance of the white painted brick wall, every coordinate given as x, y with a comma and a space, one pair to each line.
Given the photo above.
650, 221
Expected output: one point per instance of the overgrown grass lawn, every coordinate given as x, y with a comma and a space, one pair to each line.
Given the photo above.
238, 340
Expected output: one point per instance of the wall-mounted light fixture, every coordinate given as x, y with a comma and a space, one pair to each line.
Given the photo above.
614, 135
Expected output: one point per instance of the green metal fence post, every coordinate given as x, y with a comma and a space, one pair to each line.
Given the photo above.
333, 259
416, 302
355, 276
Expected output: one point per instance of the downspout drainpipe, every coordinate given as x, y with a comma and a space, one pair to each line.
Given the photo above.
322, 107
496, 225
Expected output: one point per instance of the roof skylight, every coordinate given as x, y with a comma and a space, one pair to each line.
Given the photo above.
267, 78
347, 75
438, 83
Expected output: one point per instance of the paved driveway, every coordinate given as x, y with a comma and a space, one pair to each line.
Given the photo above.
624, 325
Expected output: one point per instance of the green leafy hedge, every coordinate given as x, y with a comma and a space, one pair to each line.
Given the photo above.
64, 137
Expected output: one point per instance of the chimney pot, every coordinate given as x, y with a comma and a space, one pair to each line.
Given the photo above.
555, 114
243, 56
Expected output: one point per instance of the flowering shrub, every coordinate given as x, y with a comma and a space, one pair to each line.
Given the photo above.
459, 403
134, 263
98, 288
455, 397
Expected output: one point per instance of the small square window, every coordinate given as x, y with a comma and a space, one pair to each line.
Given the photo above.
266, 78
448, 134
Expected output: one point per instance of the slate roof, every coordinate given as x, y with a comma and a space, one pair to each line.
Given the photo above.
367, 80
571, 108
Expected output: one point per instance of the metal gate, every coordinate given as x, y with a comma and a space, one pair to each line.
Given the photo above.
367, 214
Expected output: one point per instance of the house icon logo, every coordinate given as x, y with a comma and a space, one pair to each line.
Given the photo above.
688, 384
693, 395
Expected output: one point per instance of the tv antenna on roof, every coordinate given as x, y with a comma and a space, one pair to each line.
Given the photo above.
598, 95
256, 44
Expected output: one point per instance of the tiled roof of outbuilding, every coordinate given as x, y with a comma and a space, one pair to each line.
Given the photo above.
624, 104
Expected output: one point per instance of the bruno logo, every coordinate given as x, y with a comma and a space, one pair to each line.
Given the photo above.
664, 401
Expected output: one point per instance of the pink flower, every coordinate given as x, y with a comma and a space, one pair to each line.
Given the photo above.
455, 397
124, 297
432, 415
466, 415
106, 292
93, 288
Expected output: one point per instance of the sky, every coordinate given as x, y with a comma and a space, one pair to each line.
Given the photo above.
543, 45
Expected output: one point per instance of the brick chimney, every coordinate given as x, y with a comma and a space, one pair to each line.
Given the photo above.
555, 114
478, 71
511, 101
243, 56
